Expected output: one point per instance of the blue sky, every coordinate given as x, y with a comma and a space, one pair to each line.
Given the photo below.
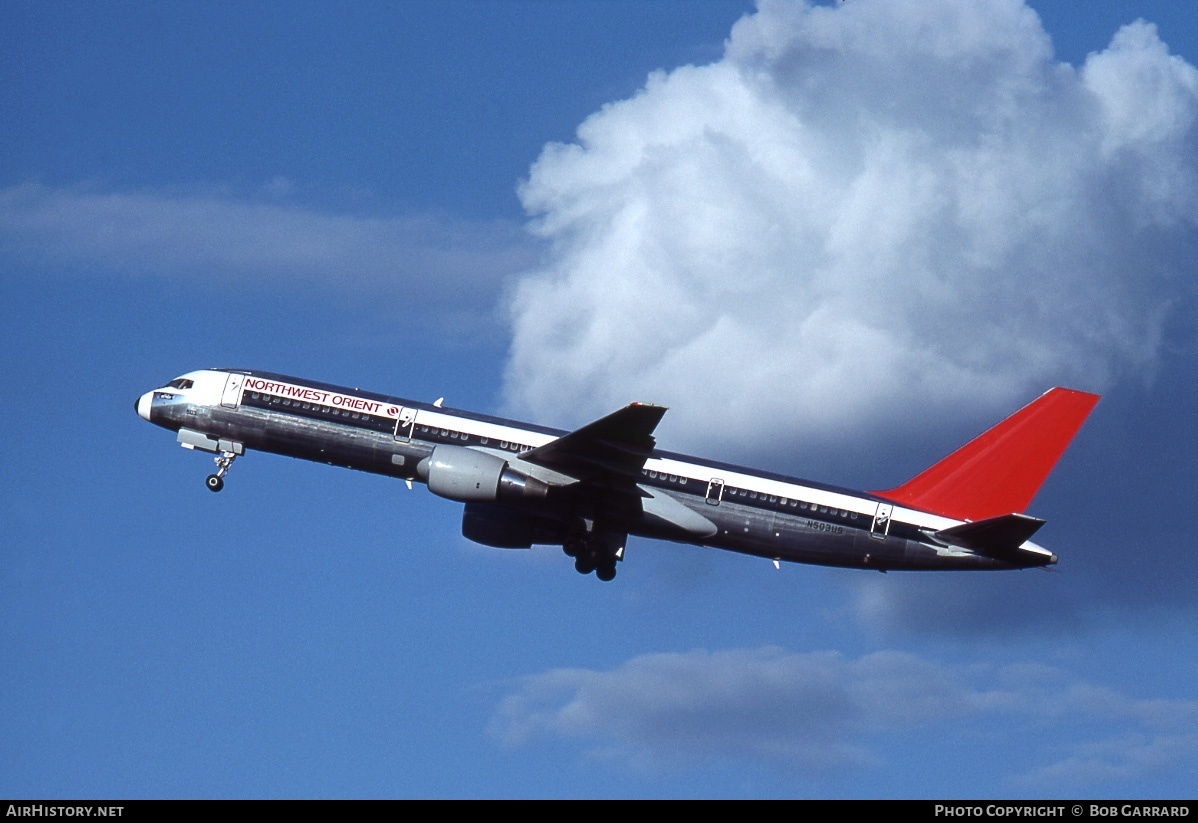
837, 241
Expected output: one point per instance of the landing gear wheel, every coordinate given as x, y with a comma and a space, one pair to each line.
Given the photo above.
583, 566
606, 572
573, 547
216, 482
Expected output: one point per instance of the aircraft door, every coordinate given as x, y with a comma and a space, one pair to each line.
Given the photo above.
881, 526
232, 393
715, 491
405, 424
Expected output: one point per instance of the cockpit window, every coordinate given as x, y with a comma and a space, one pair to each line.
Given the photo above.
181, 383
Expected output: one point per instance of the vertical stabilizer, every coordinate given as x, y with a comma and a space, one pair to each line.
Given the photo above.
1000, 471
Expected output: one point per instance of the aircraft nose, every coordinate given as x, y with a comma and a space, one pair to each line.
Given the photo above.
142, 405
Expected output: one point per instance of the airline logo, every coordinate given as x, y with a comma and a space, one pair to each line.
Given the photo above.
322, 398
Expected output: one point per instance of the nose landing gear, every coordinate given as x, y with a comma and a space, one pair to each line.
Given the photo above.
216, 482
226, 452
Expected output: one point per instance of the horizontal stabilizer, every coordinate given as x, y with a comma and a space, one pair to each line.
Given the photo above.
997, 537
1000, 470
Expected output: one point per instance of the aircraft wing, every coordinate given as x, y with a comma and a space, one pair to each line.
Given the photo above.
614, 447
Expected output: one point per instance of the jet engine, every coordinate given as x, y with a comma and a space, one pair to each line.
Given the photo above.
505, 528
473, 476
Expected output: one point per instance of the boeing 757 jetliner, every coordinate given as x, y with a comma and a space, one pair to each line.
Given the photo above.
589, 489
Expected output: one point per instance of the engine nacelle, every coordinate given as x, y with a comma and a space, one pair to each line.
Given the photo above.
473, 476
507, 528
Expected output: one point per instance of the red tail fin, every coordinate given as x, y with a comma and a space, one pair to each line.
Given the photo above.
1000, 471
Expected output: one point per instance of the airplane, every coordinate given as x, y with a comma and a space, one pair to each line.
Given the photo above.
589, 489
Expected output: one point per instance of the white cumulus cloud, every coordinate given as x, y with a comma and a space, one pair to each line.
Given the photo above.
860, 213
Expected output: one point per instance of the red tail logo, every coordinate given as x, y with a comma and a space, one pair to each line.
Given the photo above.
1000, 471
